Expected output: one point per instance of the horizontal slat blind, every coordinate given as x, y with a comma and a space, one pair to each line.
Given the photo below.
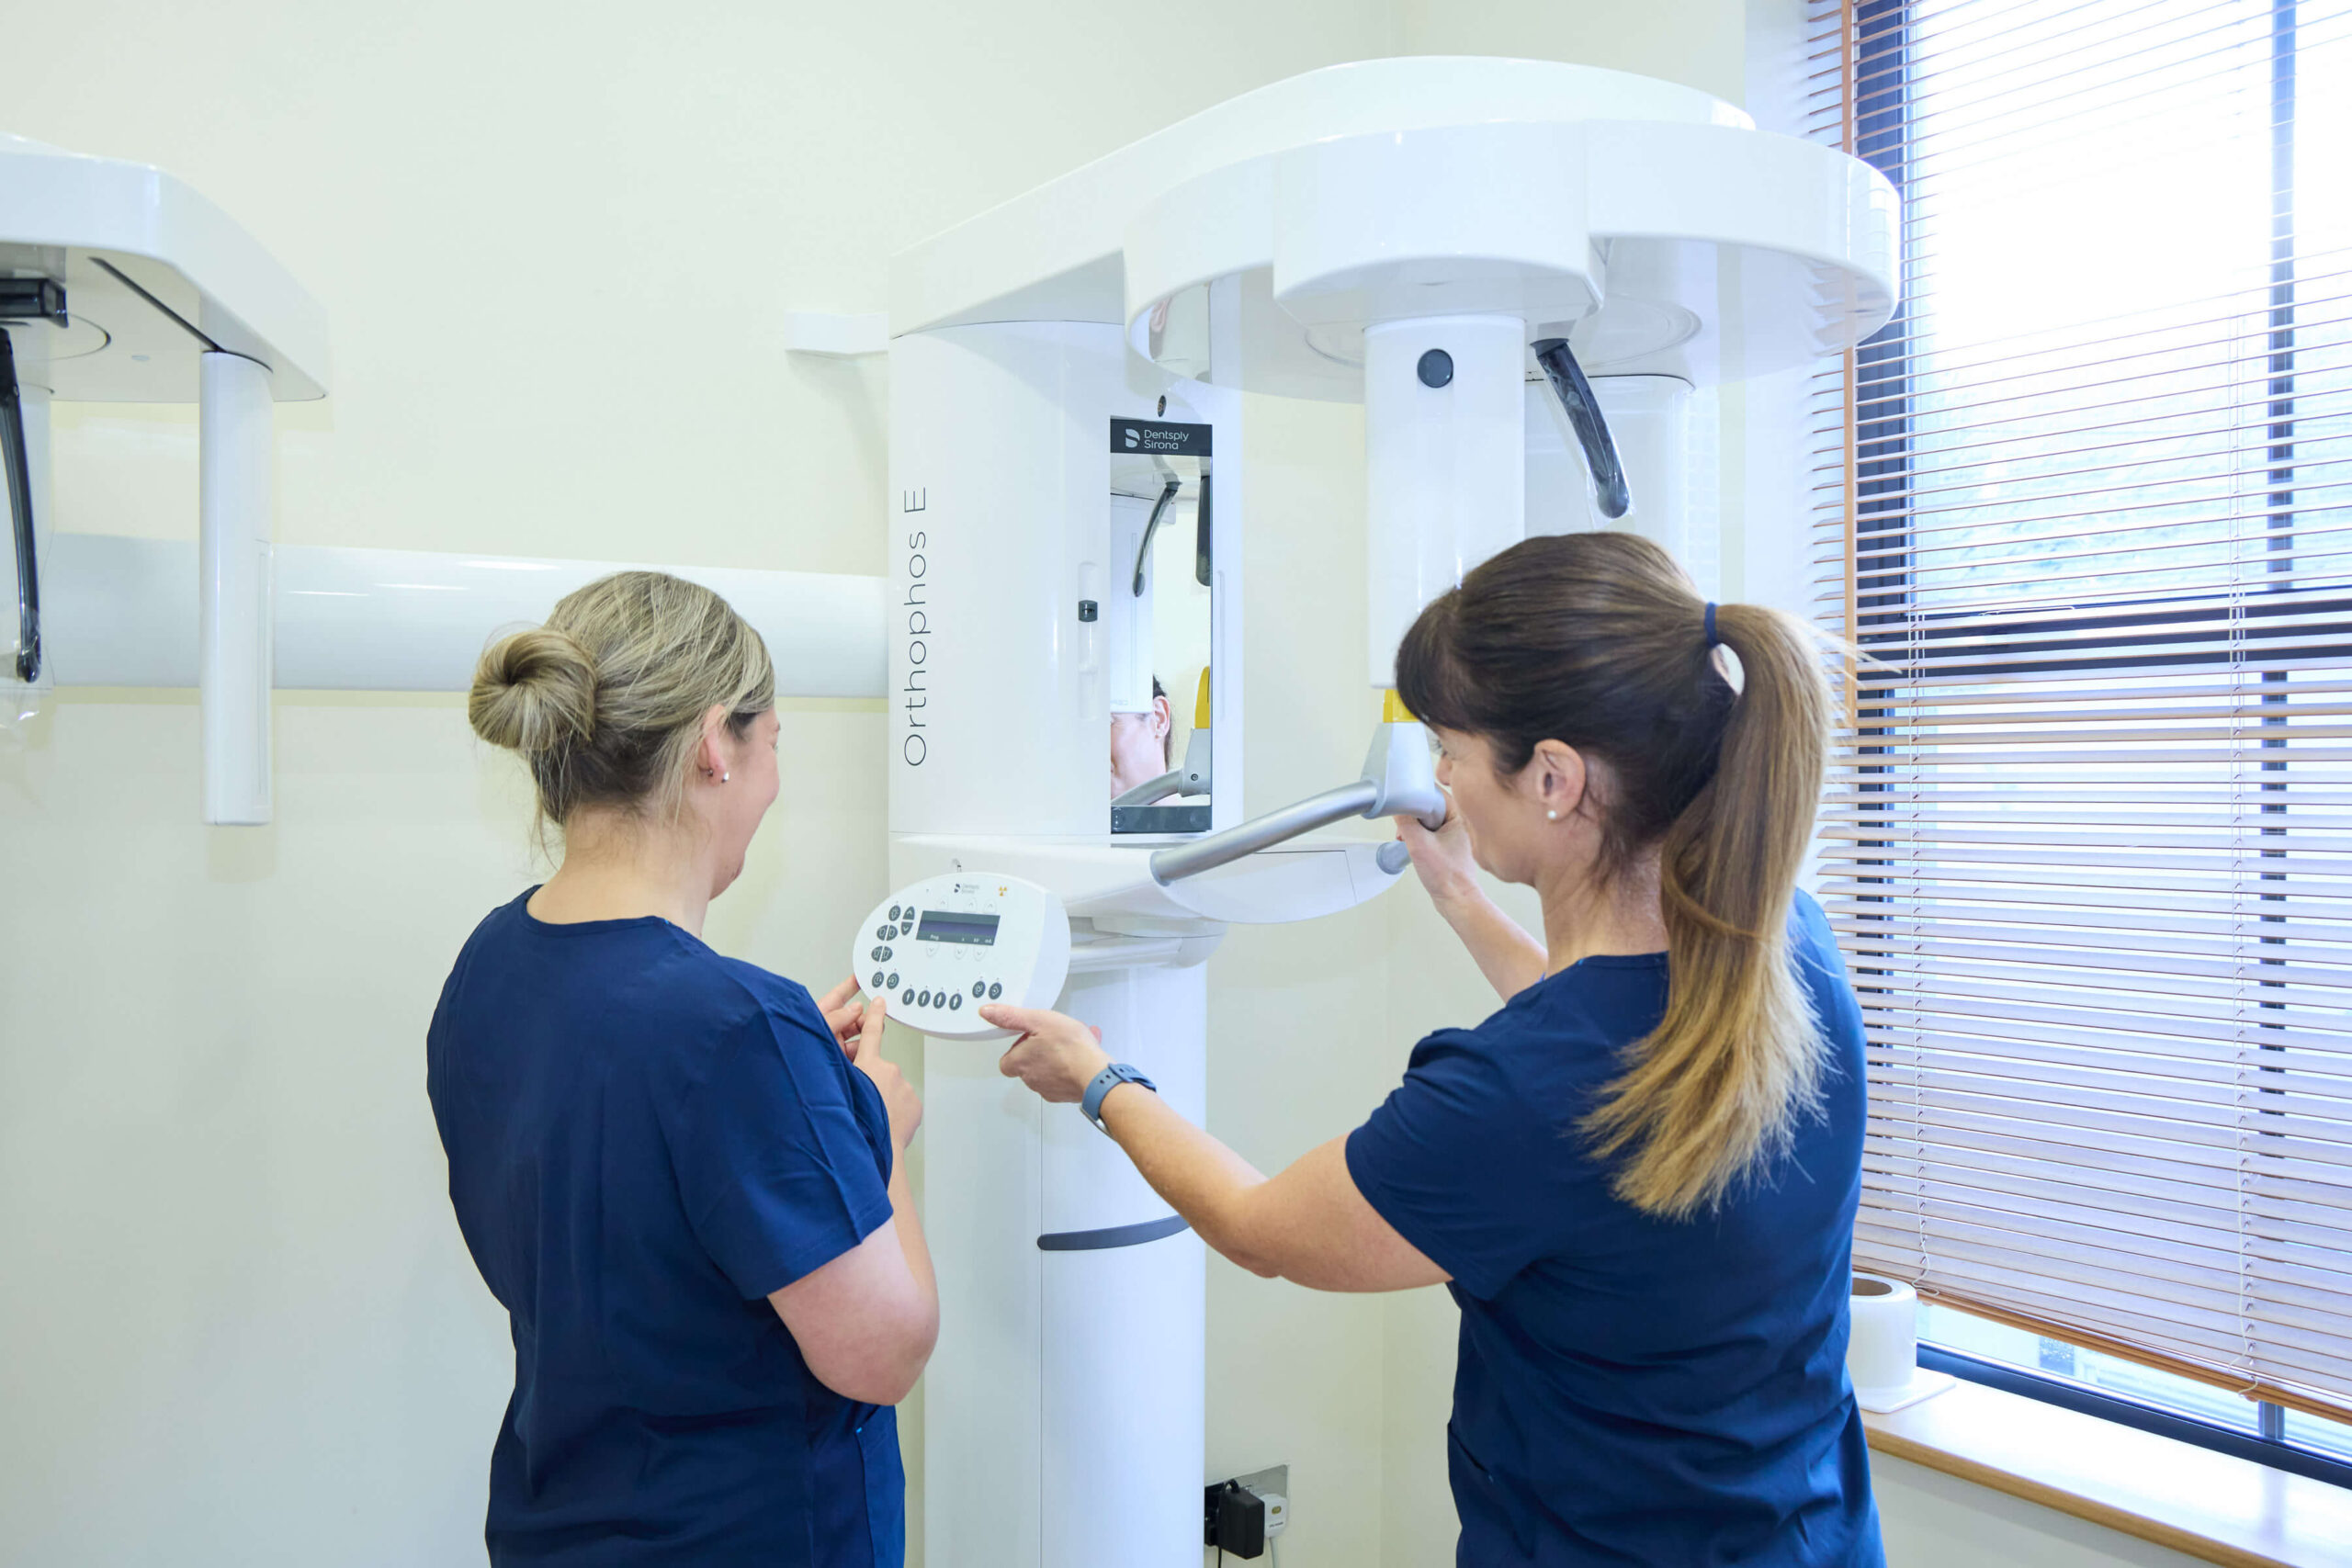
2086, 507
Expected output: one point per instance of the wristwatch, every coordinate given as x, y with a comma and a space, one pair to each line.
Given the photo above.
1104, 1082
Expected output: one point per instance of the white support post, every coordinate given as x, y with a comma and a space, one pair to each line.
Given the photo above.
1445, 467
234, 610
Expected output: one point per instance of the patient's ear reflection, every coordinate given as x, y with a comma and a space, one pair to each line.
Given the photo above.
1139, 743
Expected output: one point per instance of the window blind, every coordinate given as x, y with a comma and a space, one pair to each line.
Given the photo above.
2085, 506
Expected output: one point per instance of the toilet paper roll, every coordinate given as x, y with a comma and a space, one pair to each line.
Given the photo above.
1883, 1350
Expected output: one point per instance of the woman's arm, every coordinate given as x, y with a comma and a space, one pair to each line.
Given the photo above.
865, 1323
1510, 959
1308, 1224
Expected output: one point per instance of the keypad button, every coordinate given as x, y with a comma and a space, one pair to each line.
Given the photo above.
884, 933
910, 998
892, 982
878, 980
883, 954
894, 912
956, 1001
995, 991
923, 1000
980, 989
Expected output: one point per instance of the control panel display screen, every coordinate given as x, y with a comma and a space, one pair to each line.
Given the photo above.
949, 925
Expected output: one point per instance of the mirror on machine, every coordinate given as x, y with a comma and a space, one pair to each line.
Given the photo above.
1156, 615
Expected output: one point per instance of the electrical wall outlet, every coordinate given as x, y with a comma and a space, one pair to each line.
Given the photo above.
1276, 1479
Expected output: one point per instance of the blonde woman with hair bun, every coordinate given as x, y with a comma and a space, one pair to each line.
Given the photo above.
681, 1175
1639, 1176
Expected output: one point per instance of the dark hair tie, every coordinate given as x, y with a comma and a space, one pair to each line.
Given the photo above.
1711, 638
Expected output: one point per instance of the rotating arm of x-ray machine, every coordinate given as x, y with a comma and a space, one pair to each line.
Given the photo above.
1397, 782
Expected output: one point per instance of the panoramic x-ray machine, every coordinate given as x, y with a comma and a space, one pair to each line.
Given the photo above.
1069, 482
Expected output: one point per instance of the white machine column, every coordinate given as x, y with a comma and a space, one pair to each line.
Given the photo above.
234, 599
1063, 1411
1445, 462
1124, 1301
1063, 1408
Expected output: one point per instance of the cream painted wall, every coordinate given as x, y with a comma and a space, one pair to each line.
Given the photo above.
1698, 42
1295, 1012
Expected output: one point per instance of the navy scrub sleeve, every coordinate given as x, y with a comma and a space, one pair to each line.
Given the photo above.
644, 1140
1632, 1390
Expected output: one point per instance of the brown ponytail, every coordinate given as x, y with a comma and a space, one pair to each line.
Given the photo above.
1598, 641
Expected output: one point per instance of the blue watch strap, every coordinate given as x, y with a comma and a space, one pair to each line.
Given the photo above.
1104, 1082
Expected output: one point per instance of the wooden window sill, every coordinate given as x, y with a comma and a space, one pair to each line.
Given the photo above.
2207, 1505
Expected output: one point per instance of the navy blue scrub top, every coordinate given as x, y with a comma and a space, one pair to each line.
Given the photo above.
1633, 1389
644, 1140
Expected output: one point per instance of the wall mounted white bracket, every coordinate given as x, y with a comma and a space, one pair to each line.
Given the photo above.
168, 300
837, 337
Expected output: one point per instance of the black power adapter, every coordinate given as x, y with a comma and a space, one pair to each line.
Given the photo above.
1233, 1520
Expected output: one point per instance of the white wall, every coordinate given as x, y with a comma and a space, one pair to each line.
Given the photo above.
553, 242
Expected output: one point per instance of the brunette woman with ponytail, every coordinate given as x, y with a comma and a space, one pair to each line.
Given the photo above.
1638, 1177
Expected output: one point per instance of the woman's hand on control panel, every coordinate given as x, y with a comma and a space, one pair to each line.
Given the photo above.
844, 1014
899, 1096
1057, 1055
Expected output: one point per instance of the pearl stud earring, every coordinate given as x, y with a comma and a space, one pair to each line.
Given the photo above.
1550, 817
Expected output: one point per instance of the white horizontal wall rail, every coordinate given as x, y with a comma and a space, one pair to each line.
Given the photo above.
123, 612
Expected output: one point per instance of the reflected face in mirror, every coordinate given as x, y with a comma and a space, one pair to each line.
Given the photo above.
1139, 743
1156, 625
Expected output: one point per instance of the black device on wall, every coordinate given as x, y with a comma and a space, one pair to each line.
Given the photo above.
21, 298
1233, 1520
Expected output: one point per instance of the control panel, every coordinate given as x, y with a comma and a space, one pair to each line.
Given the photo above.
941, 948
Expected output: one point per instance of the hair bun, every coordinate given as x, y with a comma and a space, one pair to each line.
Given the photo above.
533, 691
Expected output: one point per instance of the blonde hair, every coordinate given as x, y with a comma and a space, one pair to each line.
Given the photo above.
605, 701
1600, 642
